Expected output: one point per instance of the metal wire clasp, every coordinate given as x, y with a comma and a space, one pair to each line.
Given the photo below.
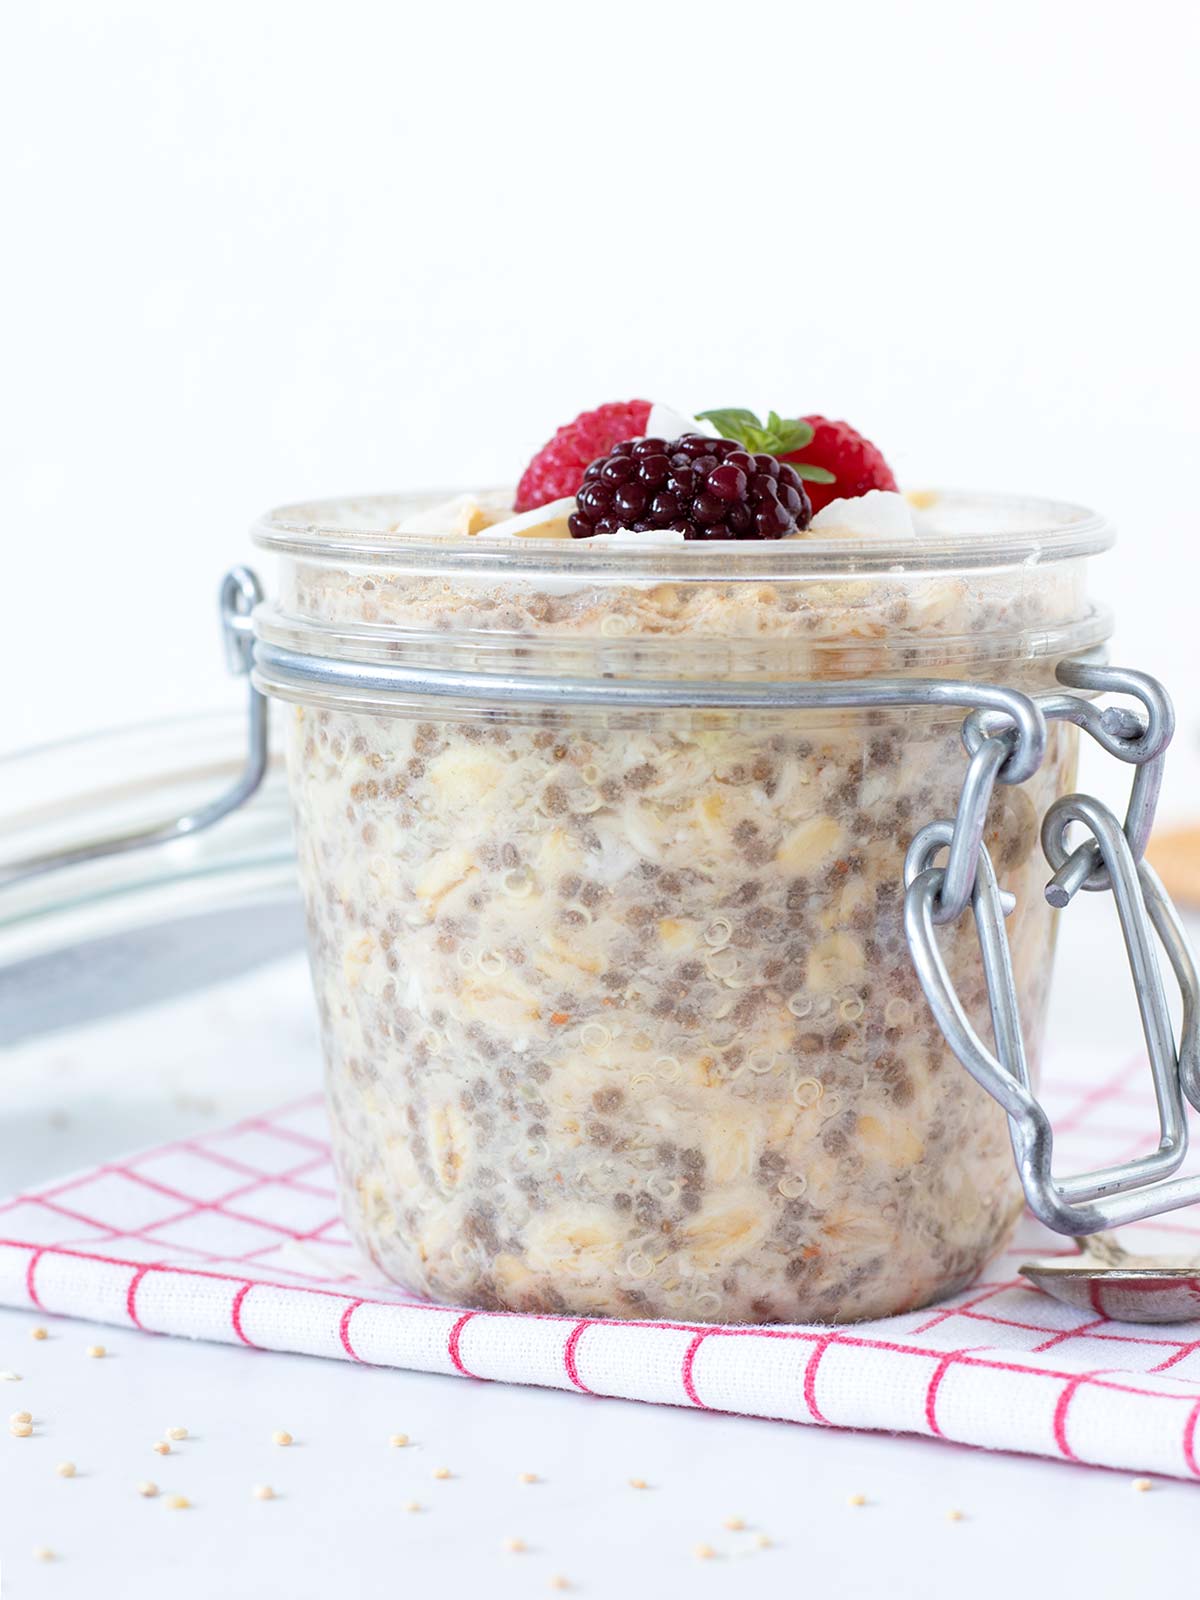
1109, 859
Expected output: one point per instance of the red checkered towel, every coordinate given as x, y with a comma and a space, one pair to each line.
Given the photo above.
235, 1236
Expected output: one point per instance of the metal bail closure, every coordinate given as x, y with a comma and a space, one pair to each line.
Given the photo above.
1139, 740
1110, 1196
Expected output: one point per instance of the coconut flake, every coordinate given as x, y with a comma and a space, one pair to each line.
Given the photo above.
462, 516
878, 514
652, 536
543, 522
665, 422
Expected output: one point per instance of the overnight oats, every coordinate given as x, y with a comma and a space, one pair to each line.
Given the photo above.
617, 1007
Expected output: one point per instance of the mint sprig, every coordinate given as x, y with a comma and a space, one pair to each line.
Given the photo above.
778, 436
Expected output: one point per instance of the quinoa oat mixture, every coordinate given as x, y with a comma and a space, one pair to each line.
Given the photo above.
618, 1012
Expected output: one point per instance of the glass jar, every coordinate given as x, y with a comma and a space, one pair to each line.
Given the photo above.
608, 946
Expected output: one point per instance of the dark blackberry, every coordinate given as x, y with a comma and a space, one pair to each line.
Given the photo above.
705, 488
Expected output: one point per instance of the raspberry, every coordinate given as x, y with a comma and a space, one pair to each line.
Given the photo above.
705, 488
557, 470
854, 461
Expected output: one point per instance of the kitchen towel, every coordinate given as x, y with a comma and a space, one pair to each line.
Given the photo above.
235, 1236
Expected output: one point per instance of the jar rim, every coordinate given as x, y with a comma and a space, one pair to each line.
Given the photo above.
964, 531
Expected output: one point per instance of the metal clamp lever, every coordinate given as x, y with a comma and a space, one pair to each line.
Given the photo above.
1128, 1191
240, 593
1141, 741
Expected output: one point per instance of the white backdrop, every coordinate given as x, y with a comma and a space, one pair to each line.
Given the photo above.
254, 252
263, 251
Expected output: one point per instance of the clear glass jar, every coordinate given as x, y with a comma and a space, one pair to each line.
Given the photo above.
617, 1007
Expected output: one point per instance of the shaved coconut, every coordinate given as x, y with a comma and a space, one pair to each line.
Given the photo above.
878, 514
629, 536
543, 522
463, 516
666, 423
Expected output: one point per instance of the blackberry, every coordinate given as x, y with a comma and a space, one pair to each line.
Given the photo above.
704, 488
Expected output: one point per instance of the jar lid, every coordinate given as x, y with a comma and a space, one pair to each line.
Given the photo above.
960, 532
99, 936
370, 612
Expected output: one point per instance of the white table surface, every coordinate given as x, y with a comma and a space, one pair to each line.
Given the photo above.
338, 1520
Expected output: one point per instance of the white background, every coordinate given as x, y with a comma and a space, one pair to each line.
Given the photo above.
258, 252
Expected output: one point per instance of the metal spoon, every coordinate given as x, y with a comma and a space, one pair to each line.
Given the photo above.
1107, 1279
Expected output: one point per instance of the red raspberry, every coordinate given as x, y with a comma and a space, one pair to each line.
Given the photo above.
854, 461
557, 469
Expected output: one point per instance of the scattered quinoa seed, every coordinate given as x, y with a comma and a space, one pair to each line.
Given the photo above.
441, 1472
704, 1552
735, 1524
559, 1582
65, 1469
857, 1500
96, 1351
43, 1553
638, 1483
763, 1541
514, 1545
20, 1430
177, 1502
1143, 1485
147, 1490
38, 1333
21, 1416
528, 1477
281, 1436
954, 1516
176, 1433
162, 1448
412, 1505
263, 1491
399, 1440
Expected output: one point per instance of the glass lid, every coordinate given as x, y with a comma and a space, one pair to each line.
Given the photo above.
105, 935
961, 531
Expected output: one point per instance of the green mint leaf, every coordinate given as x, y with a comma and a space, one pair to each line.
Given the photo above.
778, 436
730, 414
794, 436
732, 423
813, 474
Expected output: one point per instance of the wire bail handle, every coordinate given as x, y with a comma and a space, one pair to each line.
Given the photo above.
1109, 859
